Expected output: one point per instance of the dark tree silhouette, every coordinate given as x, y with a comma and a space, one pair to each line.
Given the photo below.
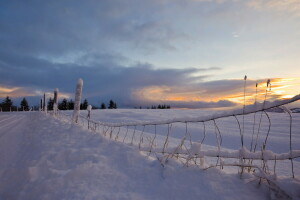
71, 104
112, 105
63, 105
84, 105
6, 104
24, 105
50, 104
103, 106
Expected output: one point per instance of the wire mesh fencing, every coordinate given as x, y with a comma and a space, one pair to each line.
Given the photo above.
192, 139
207, 141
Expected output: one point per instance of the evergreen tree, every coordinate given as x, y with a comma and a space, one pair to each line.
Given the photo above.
111, 104
71, 104
24, 105
50, 104
63, 105
84, 105
6, 104
103, 106
158, 107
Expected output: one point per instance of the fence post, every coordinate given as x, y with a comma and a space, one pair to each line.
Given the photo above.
44, 102
89, 109
55, 101
78, 93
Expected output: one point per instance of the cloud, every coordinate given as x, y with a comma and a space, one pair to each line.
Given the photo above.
290, 6
45, 45
139, 84
14, 91
61, 28
102, 80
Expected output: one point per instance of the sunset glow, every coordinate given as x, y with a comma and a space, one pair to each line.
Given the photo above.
7, 90
281, 88
193, 53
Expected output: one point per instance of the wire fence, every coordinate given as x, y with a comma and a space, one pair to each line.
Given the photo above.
191, 140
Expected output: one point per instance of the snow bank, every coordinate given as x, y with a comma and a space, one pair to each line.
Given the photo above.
43, 158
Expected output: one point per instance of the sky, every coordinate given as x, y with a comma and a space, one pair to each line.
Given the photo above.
186, 53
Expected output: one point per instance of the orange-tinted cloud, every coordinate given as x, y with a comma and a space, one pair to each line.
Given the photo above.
279, 88
16, 92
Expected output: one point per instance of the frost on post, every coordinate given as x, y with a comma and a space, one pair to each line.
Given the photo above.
45, 106
89, 109
77, 100
44, 102
55, 101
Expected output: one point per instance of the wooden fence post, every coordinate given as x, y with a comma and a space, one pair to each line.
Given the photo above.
78, 93
55, 101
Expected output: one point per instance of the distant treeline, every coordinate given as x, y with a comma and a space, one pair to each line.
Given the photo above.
7, 105
69, 105
156, 107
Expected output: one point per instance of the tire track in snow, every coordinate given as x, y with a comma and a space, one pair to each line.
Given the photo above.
5, 119
10, 125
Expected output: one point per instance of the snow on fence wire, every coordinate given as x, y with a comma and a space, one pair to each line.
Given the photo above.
164, 145
185, 139
161, 140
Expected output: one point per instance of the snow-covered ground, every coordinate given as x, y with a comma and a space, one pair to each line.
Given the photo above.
44, 158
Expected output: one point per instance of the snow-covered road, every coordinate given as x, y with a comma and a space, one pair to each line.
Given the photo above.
43, 158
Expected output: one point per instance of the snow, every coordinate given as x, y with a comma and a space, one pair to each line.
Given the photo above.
89, 108
44, 158
253, 108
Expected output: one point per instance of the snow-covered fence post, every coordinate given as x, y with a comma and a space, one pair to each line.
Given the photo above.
41, 105
78, 93
55, 101
89, 109
44, 102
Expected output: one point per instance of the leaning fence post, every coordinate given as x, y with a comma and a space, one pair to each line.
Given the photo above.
78, 93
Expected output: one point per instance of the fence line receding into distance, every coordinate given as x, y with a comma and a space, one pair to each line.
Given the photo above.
178, 139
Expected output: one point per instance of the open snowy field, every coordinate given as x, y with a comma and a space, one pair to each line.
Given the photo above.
44, 158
